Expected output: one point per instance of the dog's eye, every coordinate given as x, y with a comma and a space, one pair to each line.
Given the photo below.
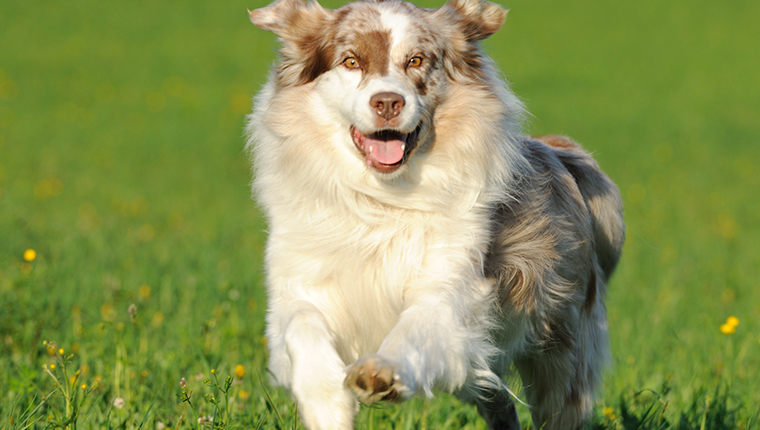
351, 63
414, 62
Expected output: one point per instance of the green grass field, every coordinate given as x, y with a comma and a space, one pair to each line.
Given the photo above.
121, 166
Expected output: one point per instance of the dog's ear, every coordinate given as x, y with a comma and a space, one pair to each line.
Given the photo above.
290, 19
304, 33
477, 19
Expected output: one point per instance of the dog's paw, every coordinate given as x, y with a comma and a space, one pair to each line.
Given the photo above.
373, 379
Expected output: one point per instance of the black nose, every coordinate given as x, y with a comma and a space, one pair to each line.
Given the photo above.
387, 105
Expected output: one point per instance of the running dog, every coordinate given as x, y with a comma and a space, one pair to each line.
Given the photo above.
418, 240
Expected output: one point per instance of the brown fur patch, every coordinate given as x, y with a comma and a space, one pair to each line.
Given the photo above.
319, 58
372, 50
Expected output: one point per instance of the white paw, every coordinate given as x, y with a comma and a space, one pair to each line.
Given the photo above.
374, 379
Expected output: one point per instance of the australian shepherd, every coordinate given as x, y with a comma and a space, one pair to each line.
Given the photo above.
418, 240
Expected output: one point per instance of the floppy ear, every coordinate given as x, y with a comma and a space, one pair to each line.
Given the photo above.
305, 36
289, 19
477, 19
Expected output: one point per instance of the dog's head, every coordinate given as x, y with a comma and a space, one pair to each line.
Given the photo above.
380, 67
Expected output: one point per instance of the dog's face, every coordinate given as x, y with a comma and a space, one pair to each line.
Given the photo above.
380, 68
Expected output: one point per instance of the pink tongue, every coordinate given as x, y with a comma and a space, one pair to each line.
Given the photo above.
385, 151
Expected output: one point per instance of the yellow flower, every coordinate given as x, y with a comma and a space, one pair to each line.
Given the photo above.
609, 413
243, 395
239, 371
213, 371
144, 291
729, 327
52, 367
60, 351
84, 386
30, 255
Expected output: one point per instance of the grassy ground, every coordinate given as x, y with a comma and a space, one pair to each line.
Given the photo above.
121, 166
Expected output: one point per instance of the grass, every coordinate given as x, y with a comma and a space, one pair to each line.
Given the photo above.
121, 166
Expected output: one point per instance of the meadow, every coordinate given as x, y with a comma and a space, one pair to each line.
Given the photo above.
131, 287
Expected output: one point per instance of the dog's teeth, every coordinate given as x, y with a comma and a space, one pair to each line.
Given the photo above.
403, 148
370, 149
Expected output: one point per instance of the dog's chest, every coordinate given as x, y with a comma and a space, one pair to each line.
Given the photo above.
358, 271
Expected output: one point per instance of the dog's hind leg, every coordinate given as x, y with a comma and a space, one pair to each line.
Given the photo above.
560, 381
497, 409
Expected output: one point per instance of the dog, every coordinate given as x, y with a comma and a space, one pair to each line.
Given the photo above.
417, 239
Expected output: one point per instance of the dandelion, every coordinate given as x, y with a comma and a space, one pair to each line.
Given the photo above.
118, 403
729, 327
609, 413
30, 255
239, 371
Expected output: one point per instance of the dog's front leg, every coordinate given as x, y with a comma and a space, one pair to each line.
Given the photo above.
305, 360
440, 340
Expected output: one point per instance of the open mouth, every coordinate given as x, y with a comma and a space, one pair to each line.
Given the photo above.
385, 150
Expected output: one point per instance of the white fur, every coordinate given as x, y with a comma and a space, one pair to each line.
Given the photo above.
358, 265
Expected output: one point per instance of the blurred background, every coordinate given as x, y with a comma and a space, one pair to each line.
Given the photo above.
122, 168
